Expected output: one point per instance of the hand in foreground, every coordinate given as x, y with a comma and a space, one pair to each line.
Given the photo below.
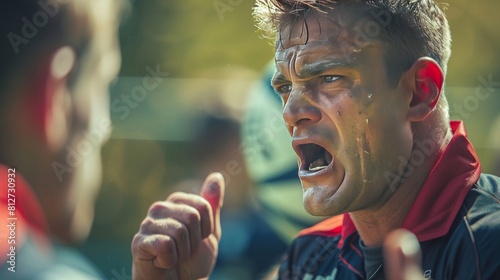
402, 256
180, 236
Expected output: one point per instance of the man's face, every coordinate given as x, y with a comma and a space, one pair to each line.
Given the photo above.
91, 129
347, 122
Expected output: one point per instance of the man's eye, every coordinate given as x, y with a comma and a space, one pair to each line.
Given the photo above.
284, 89
330, 78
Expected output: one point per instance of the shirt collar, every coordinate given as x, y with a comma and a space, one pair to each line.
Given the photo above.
444, 191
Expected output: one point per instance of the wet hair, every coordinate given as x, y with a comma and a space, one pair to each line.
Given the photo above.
410, 29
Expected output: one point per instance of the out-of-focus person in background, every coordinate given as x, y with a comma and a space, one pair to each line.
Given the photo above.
57, 61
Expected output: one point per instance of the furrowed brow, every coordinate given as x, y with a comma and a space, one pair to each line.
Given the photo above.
278, 79
317, 68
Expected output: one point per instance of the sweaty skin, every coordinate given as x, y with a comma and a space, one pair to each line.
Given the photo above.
337, 94
340, 98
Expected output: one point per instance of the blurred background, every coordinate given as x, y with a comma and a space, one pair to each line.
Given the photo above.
212, 109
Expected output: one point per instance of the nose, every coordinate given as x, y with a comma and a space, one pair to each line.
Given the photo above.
299, 110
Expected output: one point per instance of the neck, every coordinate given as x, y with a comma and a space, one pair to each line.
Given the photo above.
374, 224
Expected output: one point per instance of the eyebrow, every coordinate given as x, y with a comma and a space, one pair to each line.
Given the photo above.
316, 68
278, 78
310, 70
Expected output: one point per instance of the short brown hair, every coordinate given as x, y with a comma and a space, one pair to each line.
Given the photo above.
413, 28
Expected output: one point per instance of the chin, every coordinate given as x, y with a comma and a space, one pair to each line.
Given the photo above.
330, 200
321, 201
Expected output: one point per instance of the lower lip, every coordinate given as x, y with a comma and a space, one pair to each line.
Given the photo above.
306, 174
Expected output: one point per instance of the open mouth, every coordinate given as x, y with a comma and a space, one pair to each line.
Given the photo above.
314, 157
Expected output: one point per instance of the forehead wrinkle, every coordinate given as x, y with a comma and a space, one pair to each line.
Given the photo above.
332, 43
284, 60
307, 63
292, 65
325, 50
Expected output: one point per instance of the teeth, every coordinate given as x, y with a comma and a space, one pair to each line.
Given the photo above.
317, 164
317, 168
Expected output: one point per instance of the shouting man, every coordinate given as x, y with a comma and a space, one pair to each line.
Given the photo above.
362, 84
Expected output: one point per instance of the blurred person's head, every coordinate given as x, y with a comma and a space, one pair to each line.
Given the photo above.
216, 131
361, 84
57, 60
216, 149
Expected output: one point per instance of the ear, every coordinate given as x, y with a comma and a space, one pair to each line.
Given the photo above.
426, 82
49, 97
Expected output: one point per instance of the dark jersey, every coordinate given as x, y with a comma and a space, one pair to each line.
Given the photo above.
456, 218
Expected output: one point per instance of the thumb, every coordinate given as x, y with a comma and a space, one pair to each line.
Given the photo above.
402, 256
213, 191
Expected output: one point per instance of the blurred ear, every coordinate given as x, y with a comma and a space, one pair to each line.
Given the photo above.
51, 100
425, 79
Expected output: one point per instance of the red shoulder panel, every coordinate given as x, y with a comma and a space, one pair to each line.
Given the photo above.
329, 227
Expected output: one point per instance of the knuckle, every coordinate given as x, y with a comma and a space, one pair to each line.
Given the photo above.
179, 231
167, 246
136, 241
173, 197
147, 224
165, 252
203, 207
192, 218
157, 207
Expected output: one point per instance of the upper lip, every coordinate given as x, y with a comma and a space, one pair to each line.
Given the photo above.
298, 141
